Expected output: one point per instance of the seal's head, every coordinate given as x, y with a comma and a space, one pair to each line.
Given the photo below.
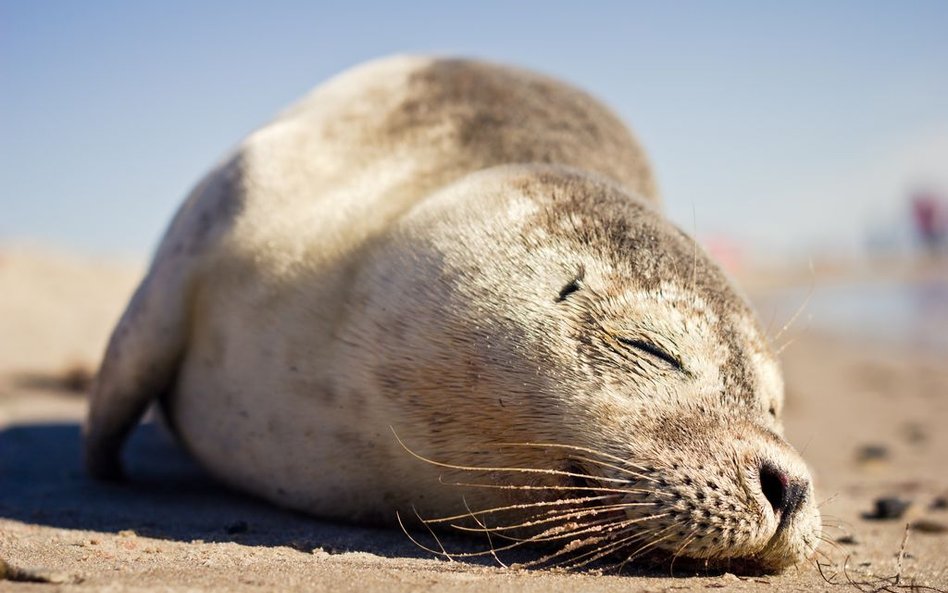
546, 320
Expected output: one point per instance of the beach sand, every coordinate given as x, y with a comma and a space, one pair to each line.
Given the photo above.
870, 419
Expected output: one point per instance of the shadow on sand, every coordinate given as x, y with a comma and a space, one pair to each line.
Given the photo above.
167, 496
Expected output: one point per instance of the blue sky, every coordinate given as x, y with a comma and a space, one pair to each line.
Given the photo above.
791, 126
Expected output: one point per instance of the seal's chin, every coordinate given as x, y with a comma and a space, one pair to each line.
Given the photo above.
790, 545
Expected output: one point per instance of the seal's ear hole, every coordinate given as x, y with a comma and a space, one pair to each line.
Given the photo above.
567, 290
572, 286
772, 411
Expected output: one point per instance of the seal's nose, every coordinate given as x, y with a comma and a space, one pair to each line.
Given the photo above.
785, 494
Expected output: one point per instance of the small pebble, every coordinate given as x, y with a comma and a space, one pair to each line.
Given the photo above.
888, 507
915, 433
929, 526
872, 453
847, 539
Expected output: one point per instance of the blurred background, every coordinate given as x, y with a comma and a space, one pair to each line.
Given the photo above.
802, 129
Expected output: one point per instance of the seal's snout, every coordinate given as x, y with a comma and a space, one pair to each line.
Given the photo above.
785, 493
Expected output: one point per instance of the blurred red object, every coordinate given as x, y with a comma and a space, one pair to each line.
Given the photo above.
929, 212
726, 251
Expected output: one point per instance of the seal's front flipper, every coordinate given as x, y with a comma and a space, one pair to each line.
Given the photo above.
140, 365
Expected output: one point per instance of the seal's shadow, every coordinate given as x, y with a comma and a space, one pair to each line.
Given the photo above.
168, 496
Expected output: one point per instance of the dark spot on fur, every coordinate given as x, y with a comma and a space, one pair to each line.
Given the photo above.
570, 288
503, 115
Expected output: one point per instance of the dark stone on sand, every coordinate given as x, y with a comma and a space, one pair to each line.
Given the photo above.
929, 526
872, 453
887, 508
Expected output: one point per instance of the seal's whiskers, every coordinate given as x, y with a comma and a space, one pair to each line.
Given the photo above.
596, 554
678, 552
554, 487
796, 315
524, 470
577, 514
528, 505
589, 450
641, 550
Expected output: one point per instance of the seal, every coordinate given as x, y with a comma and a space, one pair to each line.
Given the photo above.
448, 286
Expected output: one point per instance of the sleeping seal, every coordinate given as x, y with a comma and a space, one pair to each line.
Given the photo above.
433, 272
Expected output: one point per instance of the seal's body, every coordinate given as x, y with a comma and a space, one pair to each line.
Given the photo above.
472, 258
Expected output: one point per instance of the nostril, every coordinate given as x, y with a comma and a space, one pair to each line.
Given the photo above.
774, 484
784, 494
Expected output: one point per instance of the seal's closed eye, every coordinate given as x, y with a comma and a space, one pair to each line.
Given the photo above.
652, 350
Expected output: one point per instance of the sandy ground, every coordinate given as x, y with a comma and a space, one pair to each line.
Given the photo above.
870, 419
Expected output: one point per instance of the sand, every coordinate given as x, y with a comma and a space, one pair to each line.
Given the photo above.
870, 419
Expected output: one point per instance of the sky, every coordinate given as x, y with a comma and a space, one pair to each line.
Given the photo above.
790, 127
